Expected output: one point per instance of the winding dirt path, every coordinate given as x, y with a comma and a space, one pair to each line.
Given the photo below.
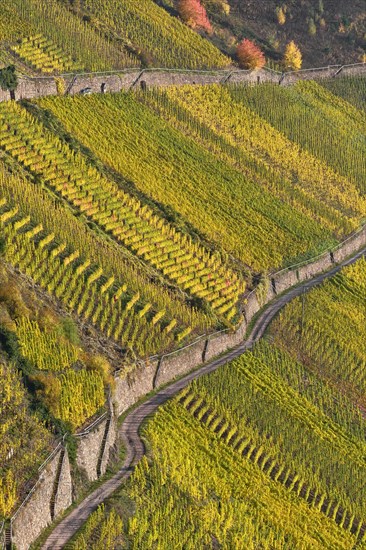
130, 428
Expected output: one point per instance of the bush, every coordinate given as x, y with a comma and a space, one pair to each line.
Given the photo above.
60, 86
194, 15
281, 16
2, 246
249, 55
70, 330
312, 27
292, 58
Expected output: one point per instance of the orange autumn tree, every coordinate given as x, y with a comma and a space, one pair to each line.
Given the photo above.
194, 14
249, 55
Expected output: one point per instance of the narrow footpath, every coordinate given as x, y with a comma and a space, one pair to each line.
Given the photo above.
135, 449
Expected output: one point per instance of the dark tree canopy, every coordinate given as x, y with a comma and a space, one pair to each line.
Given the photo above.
8, 79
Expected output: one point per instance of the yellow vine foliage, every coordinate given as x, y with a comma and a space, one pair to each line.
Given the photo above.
24, 441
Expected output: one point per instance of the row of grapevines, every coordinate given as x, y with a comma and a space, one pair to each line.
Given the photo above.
352, 89
326, 329
102, 531
82, 287
325, 125
43, 55
289, 428
11, 25
24, 441
149, 29
45, 350
84, 45
131, 223
197, 490
229, 209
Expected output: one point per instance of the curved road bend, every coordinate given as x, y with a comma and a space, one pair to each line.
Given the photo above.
130, 427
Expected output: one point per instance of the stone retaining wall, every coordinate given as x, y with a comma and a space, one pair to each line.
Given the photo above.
44, 86
222, 342
284, 280
130, 388
110, 441
90, 447
35, 515
251, 307
308, 271
179, 363
63, 496
355, 243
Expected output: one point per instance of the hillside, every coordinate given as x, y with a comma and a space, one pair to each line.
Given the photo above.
52, 381
136, 221
328, 32
268, 450
53, 37
67, 36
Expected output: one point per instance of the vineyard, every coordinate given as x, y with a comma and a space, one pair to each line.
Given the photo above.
162, 40
258, 195
350, 89
143, 219
274, 428
87, 291
43, 55
51, 38
335, 129
229, 500
24, 441
134, 225
105, 35
326, 329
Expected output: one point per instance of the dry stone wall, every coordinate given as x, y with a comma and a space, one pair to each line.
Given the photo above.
354, 243
222, 342
35, 515
115, 82
308, 271
284, 280
98, 83
251, 306
131, 387
110, 440
179, 363
89, 449
63, 494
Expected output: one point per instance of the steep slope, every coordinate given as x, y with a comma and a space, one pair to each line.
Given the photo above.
327, 31
261, 433
243, 184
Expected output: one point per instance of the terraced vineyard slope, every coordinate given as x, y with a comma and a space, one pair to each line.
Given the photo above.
277, 427
350, 89
51, 383
256, 193
25, 442
55, 37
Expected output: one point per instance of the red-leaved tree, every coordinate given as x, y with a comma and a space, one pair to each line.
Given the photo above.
249, 55
194, 14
